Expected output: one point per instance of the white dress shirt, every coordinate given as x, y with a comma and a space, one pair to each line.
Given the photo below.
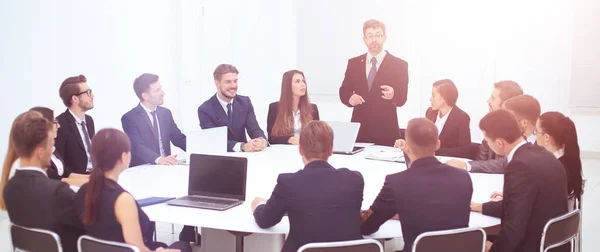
161, 147
531, 139
60, 168
297, 123
81, 134
31, 168
559, 153
238, 146
440, 122
512, 152
380, 56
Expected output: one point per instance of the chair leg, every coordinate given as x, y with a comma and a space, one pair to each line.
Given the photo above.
172, 228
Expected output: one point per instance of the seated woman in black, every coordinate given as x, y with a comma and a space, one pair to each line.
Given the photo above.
292, 112
57, 170
557, 134
108, 211
453, 124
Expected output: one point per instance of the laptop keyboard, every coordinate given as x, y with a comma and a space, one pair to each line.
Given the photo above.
207, 201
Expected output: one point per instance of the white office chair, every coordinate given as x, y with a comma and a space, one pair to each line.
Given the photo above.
470, 239
579, 205
34, 239
561, 230
87, 243
364, 245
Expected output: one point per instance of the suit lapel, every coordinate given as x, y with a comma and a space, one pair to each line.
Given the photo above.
163, 127
381, 71
143, 116
239, 110
72, 124
221, 114
449, 124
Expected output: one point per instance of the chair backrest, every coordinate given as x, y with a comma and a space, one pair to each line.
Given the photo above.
364, 245
471, 239
87, 243
34, 239
473, 151
560, 230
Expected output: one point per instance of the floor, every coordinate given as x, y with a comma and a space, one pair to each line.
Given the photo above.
591, 221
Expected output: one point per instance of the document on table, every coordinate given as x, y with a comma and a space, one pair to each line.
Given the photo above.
385, 155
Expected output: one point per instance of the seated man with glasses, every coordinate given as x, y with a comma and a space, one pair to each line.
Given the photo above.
77, 128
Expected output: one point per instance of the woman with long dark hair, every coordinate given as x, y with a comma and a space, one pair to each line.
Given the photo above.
292, 112
108, 211
57, 170
557, 133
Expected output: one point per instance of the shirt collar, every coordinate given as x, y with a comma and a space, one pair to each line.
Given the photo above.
223, 103
512, 152
318, 164
31, 168
445, 116
379, 57
147, 109
559, 153
77, 118
531, 139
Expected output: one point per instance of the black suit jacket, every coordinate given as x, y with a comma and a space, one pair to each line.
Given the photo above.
272, 117
70, 145
535, 191
212, 115
377, 116
429, 196
144, 145
455, 137
322, 203
34, 201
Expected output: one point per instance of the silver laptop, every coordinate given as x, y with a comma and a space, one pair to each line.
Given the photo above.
344, 137
206, 141
215, 182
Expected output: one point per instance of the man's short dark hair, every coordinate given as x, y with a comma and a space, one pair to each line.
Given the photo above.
524, 106
501, 124
447, 90
508, 89
224, 69
422, 135
142, 84
70, 87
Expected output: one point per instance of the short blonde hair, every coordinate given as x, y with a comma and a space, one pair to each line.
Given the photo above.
316, 140
373, 23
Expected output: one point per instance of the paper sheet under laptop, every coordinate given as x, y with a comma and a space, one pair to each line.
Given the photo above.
207, 141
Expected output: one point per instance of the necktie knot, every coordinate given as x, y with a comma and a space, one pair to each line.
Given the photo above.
374, 60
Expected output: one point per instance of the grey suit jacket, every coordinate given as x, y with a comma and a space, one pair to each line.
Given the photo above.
487, 161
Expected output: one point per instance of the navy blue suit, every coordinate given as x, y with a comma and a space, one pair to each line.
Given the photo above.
144, 145
429, 196
211, 115
322, 203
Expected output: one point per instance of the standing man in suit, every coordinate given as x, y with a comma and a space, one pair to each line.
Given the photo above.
227, 108
429, 196
535, 186
31, 199
77, 128
375, 84
316, 210
486, 160
151, 127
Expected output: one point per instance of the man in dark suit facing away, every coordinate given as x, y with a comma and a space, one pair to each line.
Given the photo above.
375, 84
535, 186
77, 129
31, 199
429, 196
150, 126
322, 202
227, 108
151, 130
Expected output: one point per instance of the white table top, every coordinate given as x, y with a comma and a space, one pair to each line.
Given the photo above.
263, 169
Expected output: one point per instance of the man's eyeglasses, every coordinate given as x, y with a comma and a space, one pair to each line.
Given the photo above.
377, 36
89, 92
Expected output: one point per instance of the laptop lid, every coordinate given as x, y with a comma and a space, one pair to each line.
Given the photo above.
218, 176
344, 135
206, 141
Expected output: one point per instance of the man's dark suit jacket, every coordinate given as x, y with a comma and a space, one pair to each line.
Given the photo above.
272, 117
322, 203
144, 145
455, 137
535, 191
377, 116
70, 145
34, 201
429, 196
212, 115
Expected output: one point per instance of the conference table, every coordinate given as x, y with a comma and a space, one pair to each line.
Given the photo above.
263, 168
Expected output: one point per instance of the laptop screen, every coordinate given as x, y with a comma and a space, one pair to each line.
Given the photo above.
218, 176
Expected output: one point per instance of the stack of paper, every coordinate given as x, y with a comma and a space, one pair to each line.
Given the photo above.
390, 156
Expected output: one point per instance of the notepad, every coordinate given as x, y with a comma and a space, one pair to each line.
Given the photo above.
152, 201
389, 156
